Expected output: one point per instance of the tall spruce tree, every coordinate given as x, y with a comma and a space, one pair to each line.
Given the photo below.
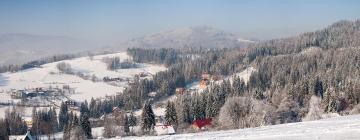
148, 118
63, 116
170, 114
85, 125
126, 124
132, 120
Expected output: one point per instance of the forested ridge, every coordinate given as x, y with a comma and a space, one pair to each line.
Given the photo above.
321, 67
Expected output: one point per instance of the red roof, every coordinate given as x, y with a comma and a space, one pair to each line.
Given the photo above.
202, 122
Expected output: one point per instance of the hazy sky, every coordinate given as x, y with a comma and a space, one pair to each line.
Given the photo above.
117, 20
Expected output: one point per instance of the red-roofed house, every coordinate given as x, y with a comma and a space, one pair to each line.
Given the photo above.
202, 123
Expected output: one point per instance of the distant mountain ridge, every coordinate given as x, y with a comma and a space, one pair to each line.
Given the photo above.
17, 48
198, 36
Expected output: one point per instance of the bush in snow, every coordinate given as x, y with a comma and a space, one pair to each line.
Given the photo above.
288, 111
77, 133
241, 112
355, 110
64, 68
315, 112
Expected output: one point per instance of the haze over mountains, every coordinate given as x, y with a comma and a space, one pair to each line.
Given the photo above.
198, 36
20, 48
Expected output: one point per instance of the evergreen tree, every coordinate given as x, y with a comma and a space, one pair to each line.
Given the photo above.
148, 118
170, 114
54, 120
4, 129
318, 88
165, 88
63, 116
84, 108
210, 109
132, 120
92, 108
126, 125
17, 125
186, 110
85, 125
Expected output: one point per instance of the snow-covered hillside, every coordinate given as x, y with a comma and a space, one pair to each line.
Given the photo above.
48, 75
338, 128
195, 87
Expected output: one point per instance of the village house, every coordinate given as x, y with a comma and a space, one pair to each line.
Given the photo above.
200, 124
179, 91
205, 80
71, 104
162, 128
30, 93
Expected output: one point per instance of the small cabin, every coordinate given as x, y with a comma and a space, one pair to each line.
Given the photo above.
70, 103
200, 124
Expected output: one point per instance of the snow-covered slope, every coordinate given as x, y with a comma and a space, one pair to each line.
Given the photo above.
48, 75
339, 128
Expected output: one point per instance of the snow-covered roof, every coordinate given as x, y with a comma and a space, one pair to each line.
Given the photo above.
21, 137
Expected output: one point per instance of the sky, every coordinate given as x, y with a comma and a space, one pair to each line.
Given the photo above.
113, 21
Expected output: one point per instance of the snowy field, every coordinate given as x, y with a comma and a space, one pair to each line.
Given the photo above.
338, 128
48, 75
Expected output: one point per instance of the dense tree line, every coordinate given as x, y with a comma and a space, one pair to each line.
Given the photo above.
339, 35
44, 122
36, 63
77, 128
12, 124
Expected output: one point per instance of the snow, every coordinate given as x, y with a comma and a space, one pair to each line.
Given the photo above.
164, 130
338, 128
311, 50
158, 111
246, 74
85, 89
48, 75
97, 132
245, 40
